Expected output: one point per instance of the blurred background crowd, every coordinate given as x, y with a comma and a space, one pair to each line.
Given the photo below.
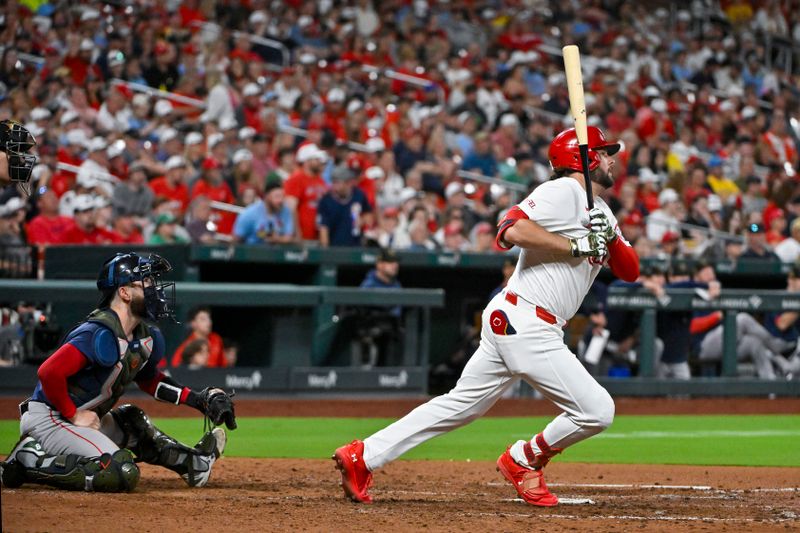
409, 124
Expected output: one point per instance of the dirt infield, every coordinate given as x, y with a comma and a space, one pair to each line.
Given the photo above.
292, 495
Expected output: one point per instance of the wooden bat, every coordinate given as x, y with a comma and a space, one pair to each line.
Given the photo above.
572, 68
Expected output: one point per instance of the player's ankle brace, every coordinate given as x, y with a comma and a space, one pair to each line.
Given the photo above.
538, 461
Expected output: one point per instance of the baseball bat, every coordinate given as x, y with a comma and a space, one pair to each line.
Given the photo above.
572, 68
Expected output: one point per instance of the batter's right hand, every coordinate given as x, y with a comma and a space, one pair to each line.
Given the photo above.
591, 245
86, 419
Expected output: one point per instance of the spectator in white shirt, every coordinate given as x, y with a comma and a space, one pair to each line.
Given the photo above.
666, 218
789, 249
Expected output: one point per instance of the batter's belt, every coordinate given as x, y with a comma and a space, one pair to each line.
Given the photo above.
541, 312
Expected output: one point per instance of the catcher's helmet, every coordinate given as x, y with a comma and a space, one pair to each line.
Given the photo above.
564, 151
16, 141
127, 268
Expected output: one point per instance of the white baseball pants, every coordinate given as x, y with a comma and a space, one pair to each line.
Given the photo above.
536, 353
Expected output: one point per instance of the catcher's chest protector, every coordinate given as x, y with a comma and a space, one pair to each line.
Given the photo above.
133, 355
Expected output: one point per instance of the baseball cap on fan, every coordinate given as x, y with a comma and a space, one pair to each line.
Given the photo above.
97, 144
194, 138
375, 144
310, 151
163, 108
175, 161
167, 135
243, 154
14, 204
336, 95
453, 188
667, 196
68, 117
251, 89
84, 202
40, 113
247, 133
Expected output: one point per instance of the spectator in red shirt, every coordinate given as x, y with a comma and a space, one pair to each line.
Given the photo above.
775, 222
251, 106
305, 187
125, 227
84, 231
335, 112
79, 60
48, 227
190, 13
212, 186
201, 324
649, 188
172, 186
620, 118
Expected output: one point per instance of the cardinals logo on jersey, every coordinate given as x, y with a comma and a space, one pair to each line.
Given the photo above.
499, 323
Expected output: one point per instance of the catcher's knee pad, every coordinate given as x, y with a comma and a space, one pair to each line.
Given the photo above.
113, 473
140, 435
152, 446
134, 423
29, 463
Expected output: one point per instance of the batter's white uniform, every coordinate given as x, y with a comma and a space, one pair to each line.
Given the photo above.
519, 341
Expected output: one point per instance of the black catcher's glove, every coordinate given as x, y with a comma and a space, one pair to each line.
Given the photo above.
218, 406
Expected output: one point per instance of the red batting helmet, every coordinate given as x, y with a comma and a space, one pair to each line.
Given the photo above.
564, 151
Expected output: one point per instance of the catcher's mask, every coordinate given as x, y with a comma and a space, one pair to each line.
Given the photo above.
129, 268
16, 141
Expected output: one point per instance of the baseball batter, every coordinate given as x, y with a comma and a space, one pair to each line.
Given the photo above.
71, 438
563, 248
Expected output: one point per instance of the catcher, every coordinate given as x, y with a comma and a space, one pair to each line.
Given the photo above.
71, 436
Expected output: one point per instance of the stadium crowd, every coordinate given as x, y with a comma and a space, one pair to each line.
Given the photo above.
353, 123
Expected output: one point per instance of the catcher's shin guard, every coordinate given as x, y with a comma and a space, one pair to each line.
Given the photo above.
152, 446
29, 463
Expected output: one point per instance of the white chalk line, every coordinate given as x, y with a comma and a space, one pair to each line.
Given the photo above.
655, 487
640, 518
630, 486
615, 486
561, 501
703, 434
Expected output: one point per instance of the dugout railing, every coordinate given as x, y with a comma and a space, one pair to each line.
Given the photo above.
288, 338
467, 279
730, 302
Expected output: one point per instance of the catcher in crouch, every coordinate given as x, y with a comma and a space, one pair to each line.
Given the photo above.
71, 438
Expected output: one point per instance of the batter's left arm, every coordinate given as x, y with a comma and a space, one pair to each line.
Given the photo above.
623, 260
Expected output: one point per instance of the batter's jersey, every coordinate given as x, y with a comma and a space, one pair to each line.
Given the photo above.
556, 284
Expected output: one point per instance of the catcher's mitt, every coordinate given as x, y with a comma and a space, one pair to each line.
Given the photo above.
218, 406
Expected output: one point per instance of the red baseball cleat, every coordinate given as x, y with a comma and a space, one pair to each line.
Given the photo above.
529, 483
356, 477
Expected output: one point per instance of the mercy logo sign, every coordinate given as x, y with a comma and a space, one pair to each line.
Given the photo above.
250, 382
393, 381
323, 381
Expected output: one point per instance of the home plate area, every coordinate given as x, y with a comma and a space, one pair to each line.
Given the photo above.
561, 501
410, 495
